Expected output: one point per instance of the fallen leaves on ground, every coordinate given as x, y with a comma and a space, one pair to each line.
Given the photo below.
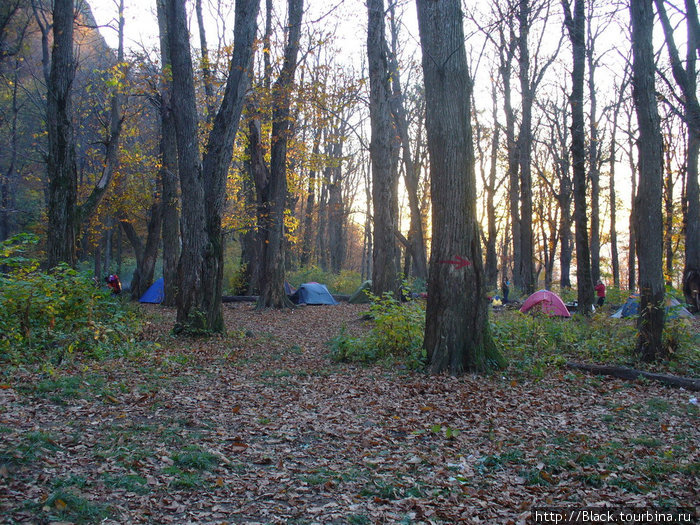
261, 426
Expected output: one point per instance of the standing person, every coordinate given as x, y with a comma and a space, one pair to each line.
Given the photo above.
600, 291
505, 289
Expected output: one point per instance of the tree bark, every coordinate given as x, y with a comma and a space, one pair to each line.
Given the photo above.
411, 173
506, 54
217, 160
686, 80
63, 216
189, 298
385, 256
168, 171
526, 270
457, 334
593, 155
648, 214
272, 293
206, 68
575, 25
307, 232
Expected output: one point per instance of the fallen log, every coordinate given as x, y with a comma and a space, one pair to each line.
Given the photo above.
239, 298
622, 372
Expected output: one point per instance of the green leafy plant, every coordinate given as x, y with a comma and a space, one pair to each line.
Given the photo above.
397, 335
48, 317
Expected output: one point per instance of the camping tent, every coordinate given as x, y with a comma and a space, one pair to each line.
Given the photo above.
313, 293
546, 301
674, 308
360, 295
155, 293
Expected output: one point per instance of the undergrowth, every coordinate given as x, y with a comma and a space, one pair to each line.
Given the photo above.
531, 344
396, 335
49, 317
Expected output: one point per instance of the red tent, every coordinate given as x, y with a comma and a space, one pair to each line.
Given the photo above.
546, 301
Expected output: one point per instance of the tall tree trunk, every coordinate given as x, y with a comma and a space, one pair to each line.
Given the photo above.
667, 199
206, 66
201, 264
506, 53
648, 215
217, 160
63, 183
632, 256
575, 25
336, 210
457, 334
686, 80
192, 223
272, 294
385, 257
168, 171
9, 174
691, 271
307, 232
411, 172
491, 257
615, 258
593, 159
322, 234
526, 271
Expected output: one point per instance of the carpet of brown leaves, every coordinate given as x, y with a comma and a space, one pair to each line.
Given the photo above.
261, 426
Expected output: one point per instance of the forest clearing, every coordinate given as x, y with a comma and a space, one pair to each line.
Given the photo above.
262, 426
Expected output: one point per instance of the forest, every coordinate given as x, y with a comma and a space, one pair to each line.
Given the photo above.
453, 157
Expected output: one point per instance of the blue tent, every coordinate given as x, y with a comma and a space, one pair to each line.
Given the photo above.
674, 309
313, 293
155, 293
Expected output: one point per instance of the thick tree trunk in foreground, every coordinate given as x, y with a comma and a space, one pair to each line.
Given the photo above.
189, 297
457, 334
385, 255
272, 293
63, 183
217, 160
203, 186
575, 25
648, 214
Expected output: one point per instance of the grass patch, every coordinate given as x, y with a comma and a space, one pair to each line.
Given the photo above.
196, 459
66, 506
129, 482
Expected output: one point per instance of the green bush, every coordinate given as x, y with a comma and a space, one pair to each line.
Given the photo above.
397, 335
51, 316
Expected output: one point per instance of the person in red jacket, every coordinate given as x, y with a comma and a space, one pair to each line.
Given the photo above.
114, 283
600, 292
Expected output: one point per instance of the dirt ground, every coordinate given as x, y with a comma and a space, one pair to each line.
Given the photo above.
261, 426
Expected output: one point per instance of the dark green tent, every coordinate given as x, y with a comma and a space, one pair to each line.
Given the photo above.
360, 295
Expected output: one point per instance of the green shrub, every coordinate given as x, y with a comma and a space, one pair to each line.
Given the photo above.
51, 316
397, 335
